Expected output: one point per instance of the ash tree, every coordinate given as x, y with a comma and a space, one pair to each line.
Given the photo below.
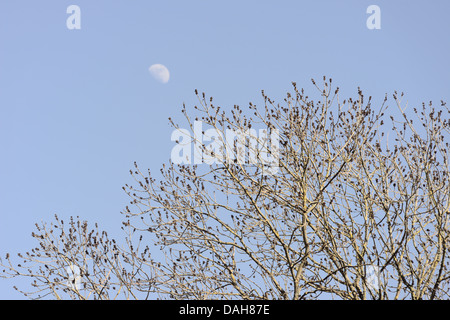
306, 199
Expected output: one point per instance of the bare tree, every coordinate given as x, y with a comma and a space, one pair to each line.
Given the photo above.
328, 202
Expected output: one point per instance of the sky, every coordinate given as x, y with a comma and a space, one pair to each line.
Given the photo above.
79, 106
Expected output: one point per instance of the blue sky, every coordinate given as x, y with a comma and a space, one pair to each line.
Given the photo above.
78, 107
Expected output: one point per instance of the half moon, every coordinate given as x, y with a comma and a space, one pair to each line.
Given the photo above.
160, 73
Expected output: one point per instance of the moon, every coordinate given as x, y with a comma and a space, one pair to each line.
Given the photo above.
160, 73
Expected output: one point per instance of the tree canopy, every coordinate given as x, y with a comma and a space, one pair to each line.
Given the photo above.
307, 199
